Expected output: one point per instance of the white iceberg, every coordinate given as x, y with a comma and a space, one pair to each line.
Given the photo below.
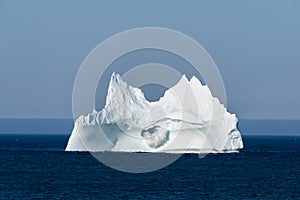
187, 119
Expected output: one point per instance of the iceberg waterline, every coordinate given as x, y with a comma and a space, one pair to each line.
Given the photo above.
187, 119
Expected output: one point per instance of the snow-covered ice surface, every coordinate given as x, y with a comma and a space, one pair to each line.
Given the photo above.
187, 119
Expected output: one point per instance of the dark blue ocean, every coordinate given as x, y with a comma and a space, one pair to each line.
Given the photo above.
35, 166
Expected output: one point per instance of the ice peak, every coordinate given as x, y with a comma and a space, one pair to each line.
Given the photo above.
117, 87
94, 111
194, 80
183, 82
116, 79
184, 78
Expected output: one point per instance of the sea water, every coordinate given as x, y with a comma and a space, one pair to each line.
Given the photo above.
35, 166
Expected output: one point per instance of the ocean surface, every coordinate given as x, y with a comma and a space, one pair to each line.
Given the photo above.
35, 166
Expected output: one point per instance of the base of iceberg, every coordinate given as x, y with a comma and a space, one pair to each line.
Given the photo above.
187, 119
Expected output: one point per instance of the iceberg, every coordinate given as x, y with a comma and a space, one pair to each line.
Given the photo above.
186, 119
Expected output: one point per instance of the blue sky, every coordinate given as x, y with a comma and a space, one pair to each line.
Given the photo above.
255, 44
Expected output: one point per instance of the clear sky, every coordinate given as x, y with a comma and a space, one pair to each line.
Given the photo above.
255, 44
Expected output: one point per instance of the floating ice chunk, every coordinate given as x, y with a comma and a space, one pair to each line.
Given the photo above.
186, 119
